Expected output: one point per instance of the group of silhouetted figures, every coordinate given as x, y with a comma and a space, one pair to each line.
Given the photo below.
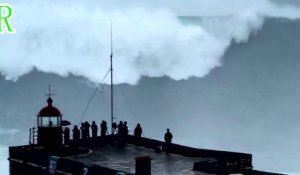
84, 131
119, 132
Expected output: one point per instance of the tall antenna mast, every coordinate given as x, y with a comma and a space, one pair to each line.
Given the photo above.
111, 80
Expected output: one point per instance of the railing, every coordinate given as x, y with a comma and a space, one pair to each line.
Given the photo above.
33, 136
33, 132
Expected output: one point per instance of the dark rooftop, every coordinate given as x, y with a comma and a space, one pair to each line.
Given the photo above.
123, 159
102, 155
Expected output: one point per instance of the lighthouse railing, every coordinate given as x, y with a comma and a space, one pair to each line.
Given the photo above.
33, 136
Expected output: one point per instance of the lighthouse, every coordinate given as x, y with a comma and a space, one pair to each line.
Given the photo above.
49, 126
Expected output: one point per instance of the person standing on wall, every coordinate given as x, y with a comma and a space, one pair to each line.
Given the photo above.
138, 133
168, 140
94, 128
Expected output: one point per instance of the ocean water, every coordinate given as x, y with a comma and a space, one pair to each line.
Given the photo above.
3, 160
249, 104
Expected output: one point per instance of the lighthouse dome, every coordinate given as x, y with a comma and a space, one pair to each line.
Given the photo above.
49, 110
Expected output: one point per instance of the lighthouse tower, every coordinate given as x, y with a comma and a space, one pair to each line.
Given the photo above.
49, 126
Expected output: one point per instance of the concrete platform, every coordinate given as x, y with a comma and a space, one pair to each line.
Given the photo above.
123, 159
107, 156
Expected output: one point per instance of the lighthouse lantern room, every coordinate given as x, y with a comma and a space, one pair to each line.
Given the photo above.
49, 126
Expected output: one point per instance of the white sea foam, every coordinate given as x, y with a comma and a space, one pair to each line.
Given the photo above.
149, 38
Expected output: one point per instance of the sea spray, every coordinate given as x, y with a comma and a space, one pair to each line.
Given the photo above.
149, 38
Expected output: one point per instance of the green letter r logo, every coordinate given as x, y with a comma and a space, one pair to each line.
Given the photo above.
6, 13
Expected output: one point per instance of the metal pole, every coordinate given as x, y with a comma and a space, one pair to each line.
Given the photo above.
111, 94
111, 82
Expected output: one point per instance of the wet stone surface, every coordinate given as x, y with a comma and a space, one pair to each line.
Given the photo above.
123, 159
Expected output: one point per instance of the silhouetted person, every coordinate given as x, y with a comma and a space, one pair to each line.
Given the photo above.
103, 126
83, 133
138, 133
121, 134
94, 129
87, 128
66, 135
120, 128
76, 133
126, 131
114, 128
113, 133
168, 139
